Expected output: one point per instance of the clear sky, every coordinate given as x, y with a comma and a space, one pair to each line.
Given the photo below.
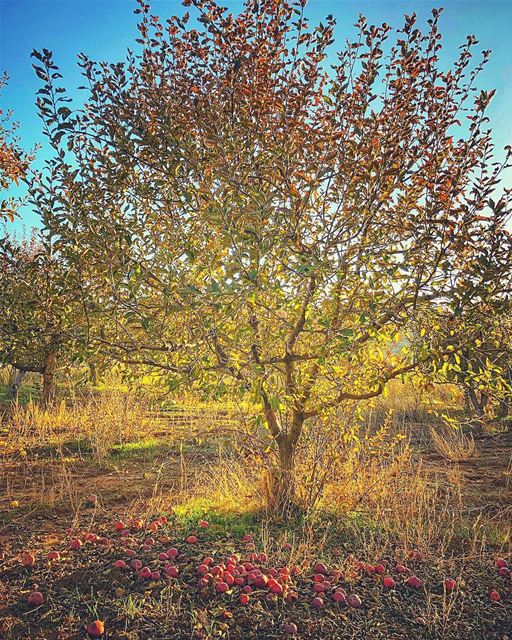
103, 29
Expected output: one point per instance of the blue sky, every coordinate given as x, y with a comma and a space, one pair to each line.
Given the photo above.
103, 29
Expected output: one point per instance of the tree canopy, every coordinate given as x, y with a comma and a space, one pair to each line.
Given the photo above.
237, 212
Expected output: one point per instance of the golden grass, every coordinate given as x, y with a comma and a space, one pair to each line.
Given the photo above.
350, 466
453, 444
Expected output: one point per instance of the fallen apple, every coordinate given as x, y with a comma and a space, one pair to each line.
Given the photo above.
96, 629
388, 582
35, 599
339, 596
290, 628
28, 559
354, 601
450, 584
171, 571
145, 573
414, 582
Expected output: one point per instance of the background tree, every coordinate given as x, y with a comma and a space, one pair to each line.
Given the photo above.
40, 321
255, 221
14, 162
483, 369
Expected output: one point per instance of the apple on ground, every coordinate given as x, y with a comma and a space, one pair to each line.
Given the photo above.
290, 628
96, 629
354, 601
35, 599
450, 584
28, 559
414, 582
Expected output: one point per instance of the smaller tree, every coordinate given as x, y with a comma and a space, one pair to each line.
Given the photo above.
40, 320
14, 162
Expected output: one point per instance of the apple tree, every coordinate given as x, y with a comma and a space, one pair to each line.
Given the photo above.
14, 162
41, 322
257, 217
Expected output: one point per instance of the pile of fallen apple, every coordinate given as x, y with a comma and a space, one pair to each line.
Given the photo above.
240, 577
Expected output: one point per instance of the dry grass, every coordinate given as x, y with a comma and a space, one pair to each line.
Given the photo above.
453, 444
99, 421
348, 466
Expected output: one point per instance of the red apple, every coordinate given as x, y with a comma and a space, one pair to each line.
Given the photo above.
388, 583
119, 526
28, 559
501, 562
275, 587
96, 629
321, 568
172, 553
495, 596
317, 602
504, 571
247, 537
261, 581
354, 601
53, 555
222, 587
75, 544
228, 577
339, 596
400, 568
172, 571
380, 569
35, 599
145, 573
203, 524
244, 598
450, 584
289, 628
120, 564
136, 565
192, 539
414, 582
156, 575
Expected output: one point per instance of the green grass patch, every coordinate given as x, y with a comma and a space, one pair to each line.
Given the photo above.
147, 449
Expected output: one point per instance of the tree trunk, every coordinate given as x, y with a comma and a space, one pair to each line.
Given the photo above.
50, 365
503, 409
16, 383
282, 496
